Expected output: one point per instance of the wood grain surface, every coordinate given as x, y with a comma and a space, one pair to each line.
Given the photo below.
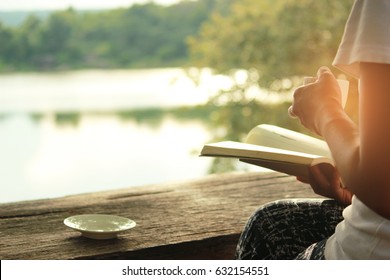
199, 219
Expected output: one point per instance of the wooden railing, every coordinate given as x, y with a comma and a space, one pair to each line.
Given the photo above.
199, 219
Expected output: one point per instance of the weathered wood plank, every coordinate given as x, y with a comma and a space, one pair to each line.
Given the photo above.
200, 219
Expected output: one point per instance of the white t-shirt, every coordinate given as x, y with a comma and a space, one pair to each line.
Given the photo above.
366, 36
363, 234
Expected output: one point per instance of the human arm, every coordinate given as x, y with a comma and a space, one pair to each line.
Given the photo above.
311, 102
361, 153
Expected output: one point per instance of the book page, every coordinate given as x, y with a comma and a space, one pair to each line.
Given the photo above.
281, 138
250, 151
286, 161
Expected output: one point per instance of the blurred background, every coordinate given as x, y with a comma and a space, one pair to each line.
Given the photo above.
103, 95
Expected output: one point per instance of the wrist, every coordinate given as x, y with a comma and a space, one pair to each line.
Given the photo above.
330, 118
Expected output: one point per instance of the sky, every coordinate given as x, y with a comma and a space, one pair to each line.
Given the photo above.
15, 5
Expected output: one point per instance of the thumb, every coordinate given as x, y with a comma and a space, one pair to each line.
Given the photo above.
324, 73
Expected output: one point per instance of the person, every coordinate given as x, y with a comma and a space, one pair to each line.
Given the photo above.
353, 222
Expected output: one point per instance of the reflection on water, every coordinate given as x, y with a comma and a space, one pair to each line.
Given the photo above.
82, 131
50, 156
51, 145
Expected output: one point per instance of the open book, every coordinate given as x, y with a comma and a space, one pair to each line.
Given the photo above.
275, 148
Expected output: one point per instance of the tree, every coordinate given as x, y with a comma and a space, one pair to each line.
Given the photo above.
146, 35
27, 41
6, 46
280, 39
276, 42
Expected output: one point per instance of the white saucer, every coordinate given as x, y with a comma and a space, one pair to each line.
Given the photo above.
99, 226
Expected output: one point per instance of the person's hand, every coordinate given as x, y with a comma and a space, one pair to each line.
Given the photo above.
315, 104
325, 180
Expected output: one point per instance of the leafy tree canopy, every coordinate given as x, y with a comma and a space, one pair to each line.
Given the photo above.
147, 35
279, 39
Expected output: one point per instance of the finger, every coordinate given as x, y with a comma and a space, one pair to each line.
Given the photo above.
309, 80
303, 180
319, 176
291, 113
344, 196
322, 70
324, 73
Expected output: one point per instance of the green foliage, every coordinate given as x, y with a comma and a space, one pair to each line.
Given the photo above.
281, 39
276, 42
140, 36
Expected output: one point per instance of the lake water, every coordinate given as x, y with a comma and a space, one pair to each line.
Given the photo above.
96, 149
41, 157
103, 90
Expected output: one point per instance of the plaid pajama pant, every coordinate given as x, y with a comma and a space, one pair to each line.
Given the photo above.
290, 229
